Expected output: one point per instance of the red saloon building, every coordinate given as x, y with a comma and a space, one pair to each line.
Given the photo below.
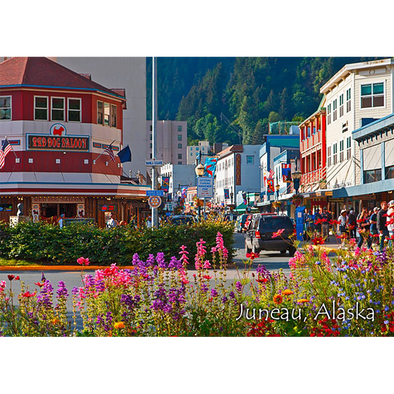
59, 124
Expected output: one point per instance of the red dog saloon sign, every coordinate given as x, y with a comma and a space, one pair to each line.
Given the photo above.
57, 140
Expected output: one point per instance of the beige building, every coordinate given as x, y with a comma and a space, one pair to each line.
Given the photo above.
171, 141
356, 95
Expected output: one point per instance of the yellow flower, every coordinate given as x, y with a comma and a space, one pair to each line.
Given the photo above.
287, 292
119, 324
302, 300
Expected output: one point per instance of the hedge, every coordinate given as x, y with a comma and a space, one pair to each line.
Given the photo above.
47, 243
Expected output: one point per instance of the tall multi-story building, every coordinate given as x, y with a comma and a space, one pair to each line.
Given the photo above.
171, 141
194, 150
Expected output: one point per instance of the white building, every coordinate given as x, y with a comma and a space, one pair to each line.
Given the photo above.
180, 176
237, 170
355, 96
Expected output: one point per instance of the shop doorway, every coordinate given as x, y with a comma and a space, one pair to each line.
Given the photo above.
55, 210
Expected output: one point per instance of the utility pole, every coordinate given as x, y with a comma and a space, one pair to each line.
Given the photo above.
155, 213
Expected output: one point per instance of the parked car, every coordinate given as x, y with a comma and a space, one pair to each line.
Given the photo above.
182, 219
259, 234
241, 220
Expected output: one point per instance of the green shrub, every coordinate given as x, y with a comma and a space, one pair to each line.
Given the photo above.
47, 243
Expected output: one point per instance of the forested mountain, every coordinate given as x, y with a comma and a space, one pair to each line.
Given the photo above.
233, 99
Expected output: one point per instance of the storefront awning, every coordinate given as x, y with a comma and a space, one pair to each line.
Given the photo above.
241, 208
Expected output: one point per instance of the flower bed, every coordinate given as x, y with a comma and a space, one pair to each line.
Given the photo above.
350, 295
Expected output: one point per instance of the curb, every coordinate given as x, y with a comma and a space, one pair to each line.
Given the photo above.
58, 267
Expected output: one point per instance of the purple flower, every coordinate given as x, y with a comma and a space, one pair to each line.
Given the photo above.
238, 286
224, 300
232, 295
214, 293
62, 290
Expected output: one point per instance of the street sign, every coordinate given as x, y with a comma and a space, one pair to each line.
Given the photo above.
154, 201
204, 187
155, 192
154, 163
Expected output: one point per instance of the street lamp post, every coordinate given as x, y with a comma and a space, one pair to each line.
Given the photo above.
199, 172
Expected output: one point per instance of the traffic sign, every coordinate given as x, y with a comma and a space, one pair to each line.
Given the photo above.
154, 201
155, 192
154, 163
204, 187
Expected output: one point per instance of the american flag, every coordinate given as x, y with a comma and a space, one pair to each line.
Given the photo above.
271, 175
5, 149
109, 150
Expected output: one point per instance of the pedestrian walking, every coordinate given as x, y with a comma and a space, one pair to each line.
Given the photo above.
318, 218
326, 217
372, 228
381, 224
390, 219
61, 220
352, 224
363, 228
343, 224
112, 222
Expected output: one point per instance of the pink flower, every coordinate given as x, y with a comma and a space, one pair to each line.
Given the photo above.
278, 233
207, 264
83, 261
184, 257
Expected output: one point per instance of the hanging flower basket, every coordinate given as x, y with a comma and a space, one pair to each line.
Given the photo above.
297, 199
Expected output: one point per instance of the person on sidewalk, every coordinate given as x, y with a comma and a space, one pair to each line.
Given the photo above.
390, 220
363, 228
372, 228
343, 225
352, 224
318, 220
326, 217
381, 224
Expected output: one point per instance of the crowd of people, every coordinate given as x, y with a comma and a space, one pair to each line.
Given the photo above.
370, 226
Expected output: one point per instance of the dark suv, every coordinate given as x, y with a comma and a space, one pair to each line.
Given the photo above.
259, 234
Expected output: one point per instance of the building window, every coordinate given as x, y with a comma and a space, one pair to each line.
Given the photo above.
179, 146
5, 108
107, 113
341, 150
57, 161
17, 160
150, 137
249, 159
372, 95
308, 132
372, 175
100, 112
179, 156
74, 110
348, 100
30, 160
41, 108
179, 128
113, 115
85, 161
341, 107
390, 172
150, 145
179, 162
334, 153
348, 148
57, 108
334, 110
329, 114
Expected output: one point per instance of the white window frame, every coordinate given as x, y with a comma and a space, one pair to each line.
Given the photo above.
329, 114
334, 110
372, 95
341, 150
341, 105
348, 148
6, 108
334, 153
47, 108
74, 110
58, 109
348, 100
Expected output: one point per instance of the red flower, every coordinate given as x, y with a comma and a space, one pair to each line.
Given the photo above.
252, 255
207, 277
17, 278
11, 277
27, 294
39, 284
334, 222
